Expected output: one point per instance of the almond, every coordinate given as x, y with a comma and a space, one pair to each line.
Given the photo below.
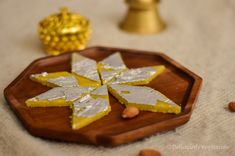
130, 112
149, 152
231, 106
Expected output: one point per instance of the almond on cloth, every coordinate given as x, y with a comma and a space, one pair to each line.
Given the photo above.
149, 152
231, 106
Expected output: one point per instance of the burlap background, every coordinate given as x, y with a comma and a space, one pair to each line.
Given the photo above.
200, 35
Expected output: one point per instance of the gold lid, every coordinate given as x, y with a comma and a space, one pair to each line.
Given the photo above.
64, 32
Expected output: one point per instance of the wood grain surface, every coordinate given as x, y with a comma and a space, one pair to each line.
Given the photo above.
178, 83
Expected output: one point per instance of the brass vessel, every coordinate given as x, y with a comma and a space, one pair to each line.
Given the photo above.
142, 17
64, 32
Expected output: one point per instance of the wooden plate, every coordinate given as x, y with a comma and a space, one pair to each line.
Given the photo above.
177, 82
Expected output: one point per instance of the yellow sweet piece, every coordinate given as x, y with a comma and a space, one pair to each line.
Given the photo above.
110, 67
160, 69
144, 98
137, 79
43, 77
85, 69
57, 97
87, 105
108, 75
47, 103
79, 122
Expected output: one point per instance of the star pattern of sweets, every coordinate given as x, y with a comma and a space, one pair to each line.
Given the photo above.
85, 89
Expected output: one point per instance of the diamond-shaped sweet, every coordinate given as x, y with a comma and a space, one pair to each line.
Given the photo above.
144, 98
138, 76
86, 70
110, 67
90, 108
58, 96
113, 62
56, 79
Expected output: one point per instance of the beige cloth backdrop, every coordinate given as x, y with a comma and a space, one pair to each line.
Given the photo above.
200, 35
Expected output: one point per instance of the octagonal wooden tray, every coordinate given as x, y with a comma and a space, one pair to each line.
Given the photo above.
177, 82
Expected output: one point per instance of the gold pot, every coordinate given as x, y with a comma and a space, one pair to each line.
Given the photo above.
64, 32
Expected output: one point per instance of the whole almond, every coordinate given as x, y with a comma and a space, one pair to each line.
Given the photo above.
149, 152
231, 106
130, 112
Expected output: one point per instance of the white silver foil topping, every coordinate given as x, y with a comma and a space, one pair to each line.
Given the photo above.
133, 75
140, 95
101, 91
67, 93
90, 88
41, 74
112, 66
107, 76
64, 81
52, 94
113, 61
89, 107
85, 67
73, 93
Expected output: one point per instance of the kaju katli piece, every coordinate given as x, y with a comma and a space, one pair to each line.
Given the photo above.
85, 70
144, 98
110, 67
56, 79
58, 96
138, 76
90, 108
113, 62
